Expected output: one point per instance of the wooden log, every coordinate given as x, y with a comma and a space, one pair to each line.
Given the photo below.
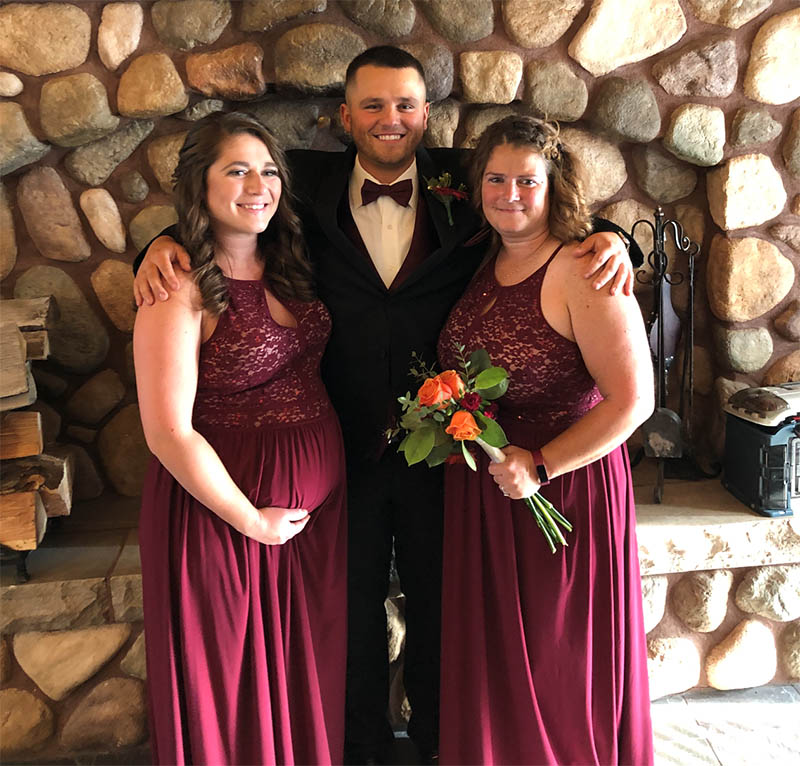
23, 520
37, 344
48, 475
30, 313
20, 400
21, 434
14, 379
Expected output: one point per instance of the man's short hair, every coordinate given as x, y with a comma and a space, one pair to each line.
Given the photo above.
383, 56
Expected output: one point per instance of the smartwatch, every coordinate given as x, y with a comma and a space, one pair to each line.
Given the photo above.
541, 471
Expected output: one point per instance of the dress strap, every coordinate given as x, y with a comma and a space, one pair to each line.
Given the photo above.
553, 254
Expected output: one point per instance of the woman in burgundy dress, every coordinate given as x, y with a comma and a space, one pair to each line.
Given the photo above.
544, 658
242, 531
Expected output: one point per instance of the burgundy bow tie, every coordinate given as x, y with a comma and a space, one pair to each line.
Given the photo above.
399, 192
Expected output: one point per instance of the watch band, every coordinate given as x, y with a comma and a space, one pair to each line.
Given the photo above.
541, 471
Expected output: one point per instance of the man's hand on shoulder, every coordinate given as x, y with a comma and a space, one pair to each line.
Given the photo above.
608, 262
156, 273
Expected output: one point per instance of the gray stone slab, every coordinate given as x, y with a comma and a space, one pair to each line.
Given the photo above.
76, 557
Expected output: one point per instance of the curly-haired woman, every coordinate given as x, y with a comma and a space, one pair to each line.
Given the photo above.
544, 658
242, 531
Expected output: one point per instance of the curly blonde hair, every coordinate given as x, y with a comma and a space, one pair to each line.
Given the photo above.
569, 217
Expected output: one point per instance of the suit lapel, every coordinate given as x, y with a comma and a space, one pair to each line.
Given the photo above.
327, 199
450, 236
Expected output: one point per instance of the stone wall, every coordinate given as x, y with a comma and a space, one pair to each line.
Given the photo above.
691, 105
724, 628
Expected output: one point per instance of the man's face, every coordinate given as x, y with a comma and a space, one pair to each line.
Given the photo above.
386, 113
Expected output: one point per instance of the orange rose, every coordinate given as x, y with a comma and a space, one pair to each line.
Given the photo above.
453, 381
463, 426
433, 393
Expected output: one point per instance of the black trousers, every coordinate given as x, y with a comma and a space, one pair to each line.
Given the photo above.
390, 503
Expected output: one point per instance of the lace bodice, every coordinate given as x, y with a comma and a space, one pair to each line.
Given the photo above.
549, 384
255, 372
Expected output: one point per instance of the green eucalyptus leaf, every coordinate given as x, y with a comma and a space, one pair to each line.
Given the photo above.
495, 392
419, 445
490, 378
468, 456
402, 446
492, 432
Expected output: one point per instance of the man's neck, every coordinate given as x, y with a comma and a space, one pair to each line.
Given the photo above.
382, 174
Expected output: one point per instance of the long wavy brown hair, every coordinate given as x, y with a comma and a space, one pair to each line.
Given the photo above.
287, 270
569, 217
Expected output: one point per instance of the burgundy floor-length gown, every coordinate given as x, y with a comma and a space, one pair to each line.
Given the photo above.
246, 642
543, 655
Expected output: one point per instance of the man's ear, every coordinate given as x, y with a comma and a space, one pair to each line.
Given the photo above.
425, 114
344, 113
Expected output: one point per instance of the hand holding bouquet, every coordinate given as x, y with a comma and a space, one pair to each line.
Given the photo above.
453, 408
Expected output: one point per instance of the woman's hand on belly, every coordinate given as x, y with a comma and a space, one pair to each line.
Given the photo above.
275, 526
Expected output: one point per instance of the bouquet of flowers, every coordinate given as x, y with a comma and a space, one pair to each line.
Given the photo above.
452, 408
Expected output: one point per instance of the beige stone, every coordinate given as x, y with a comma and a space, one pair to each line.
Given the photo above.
771, 75
673, 665
59, 662
126, 597
8, 240
745, 191
479, 119
787, 233
771, 592
442, 124
554, 91
790, 649
696, 134
123, 451
728, 13
313, 58
746, 657
162, 154
54, 605
784, 370
18, 145
490, 77
605, 171
10, 85
790, 151
788, 323
151, 87
103, 215
654, 600
746, 277
619, 32
50, 217
538, 23
725, 388
395, 629
5, 661
119, 32
96, 397
795, 207
113, 284
149, 222
693, 222
78, 340
26, 722
700, 599
134, 662
625, 213
73, 110
186, 23
43, 38
232, 73
110, 716
260, 15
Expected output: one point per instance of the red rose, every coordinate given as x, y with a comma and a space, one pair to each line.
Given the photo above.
491, 411
471, 401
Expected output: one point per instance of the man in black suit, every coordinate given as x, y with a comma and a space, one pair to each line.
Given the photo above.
389, 266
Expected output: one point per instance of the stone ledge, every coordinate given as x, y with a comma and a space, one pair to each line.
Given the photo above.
701, 526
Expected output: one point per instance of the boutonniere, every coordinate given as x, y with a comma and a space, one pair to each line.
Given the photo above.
441, 189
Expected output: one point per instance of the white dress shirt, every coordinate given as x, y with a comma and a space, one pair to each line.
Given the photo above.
386, 227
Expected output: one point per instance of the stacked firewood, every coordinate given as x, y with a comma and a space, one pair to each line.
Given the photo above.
34, 485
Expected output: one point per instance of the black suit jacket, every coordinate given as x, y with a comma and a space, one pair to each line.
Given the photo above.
376, 329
